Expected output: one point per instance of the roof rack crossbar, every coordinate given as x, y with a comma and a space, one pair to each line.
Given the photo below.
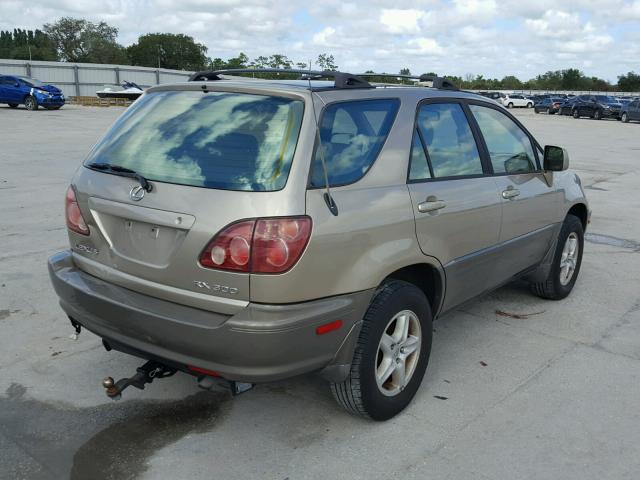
341, 79
437, 82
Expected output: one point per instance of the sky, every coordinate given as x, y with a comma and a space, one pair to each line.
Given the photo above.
492, 38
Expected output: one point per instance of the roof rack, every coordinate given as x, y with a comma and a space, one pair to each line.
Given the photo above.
437, 82
341, 79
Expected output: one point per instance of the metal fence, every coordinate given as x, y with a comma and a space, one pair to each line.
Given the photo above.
83, 79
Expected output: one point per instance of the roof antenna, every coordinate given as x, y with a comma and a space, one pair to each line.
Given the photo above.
331, 204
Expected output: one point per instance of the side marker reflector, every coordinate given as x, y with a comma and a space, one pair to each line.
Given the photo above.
204, 371
328, 327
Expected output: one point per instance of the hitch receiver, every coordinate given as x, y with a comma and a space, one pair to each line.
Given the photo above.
147, 373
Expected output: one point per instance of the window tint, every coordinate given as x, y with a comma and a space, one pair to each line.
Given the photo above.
7, 81
228, 141
509, 147
418, 167
450, 144
352, 134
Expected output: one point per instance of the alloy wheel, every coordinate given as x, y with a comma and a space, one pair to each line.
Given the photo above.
569, 258
398, 353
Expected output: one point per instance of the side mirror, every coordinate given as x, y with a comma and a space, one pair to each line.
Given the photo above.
556, 159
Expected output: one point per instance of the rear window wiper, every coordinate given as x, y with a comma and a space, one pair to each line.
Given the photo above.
123, 172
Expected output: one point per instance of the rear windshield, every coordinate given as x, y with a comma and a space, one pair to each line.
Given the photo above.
221, 140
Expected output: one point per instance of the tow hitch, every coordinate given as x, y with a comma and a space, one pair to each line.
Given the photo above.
147, 373
151, 370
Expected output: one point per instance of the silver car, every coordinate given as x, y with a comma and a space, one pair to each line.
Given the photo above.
246, 230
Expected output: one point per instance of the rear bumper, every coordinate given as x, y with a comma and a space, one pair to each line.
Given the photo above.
260, 343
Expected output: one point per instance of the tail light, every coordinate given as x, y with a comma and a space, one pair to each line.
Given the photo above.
263, 245
75, 221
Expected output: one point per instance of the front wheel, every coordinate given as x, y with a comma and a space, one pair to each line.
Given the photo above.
624, 118
391, 355
30, 103
597, 115
529, 105
575, 114
510, 105
566, 262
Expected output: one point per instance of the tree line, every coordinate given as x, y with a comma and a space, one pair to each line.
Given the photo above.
78, 40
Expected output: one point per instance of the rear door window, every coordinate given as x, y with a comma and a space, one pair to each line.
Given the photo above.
449, 142
221, 140
352, 135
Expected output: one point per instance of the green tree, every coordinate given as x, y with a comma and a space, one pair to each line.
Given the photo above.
510, 82
241, 61
629, 82
326, 62
279, 61
27, 44
168, 50
78, 40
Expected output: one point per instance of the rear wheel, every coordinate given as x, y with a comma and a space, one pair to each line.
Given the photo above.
566, 262
597, 115
624, 117
510, 105
391, 355
529, 105
575, 113
13, 105
30, 103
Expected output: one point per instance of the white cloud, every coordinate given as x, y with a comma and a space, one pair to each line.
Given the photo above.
401, 21
325, 37
423, 46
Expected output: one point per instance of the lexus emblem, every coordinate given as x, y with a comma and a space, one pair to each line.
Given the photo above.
136, 193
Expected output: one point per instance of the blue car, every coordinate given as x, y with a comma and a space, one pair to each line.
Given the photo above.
16, 90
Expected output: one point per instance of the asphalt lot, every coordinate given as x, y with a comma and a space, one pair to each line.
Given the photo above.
551, 394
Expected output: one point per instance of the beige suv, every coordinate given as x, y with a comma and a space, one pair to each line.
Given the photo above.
252, 230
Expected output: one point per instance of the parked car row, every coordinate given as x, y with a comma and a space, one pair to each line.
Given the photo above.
623, 108
592, 106
18, 90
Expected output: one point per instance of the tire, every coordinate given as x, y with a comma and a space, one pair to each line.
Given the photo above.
575, 114
624, 118
360, 394
597, 115
557, 286
510, 105
13, 105
30, 103
549, 112
529, 105
536, 110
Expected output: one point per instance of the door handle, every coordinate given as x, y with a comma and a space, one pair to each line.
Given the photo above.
510, 193
431, 206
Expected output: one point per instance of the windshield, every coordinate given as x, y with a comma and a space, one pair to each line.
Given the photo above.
228, 141
32, 82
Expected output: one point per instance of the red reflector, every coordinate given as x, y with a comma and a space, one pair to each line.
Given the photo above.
328, 327
204, 371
